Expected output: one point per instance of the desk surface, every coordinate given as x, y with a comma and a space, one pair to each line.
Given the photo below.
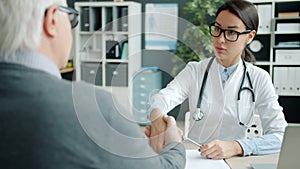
67, 70
245, 162
239, 162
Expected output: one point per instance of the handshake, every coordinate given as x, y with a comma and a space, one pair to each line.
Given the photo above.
162, 131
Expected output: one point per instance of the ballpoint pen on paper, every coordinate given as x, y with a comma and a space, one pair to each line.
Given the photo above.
185, 138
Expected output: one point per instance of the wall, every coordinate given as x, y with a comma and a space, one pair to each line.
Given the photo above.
163, 60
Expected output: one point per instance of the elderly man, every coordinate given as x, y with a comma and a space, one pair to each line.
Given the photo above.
47, 122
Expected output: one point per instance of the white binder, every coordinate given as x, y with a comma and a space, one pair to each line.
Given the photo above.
290, 81
284, 80
265, 16
276, 80
297, 80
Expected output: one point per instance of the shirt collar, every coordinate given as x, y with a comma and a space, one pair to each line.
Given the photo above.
33, 60
230, 69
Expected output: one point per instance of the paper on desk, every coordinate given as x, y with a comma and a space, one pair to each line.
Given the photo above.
195, 161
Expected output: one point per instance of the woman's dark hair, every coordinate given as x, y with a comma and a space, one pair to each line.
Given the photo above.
247, 12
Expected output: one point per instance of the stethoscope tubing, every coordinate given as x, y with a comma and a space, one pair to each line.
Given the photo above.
198, 116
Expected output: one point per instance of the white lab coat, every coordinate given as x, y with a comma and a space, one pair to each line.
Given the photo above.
219, 104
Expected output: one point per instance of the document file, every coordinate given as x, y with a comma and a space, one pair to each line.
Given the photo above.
194, 160
286, 80
276, 80
265, 15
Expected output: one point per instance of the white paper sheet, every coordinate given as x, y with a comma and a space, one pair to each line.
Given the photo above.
195, 161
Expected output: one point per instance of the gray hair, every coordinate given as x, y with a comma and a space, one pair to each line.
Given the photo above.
21, 24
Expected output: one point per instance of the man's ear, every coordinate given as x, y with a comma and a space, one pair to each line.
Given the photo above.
50, 21
251, 36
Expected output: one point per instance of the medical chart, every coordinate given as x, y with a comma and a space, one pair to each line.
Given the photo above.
195, 161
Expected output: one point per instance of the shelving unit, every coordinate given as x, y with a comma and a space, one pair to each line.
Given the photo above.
108, 44
277, 50
277, 43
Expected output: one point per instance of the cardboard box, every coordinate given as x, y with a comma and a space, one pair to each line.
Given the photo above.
288, 14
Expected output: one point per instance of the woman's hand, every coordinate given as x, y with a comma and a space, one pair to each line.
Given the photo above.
218, 149
162, 131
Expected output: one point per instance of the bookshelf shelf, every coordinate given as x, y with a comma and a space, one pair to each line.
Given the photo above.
108, 45
109, 36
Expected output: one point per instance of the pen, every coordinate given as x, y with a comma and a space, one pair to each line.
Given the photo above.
185, 138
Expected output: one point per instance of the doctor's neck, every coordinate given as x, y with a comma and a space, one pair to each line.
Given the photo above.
228, 62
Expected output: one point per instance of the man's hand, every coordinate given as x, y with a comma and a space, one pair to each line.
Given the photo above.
162, 131
173, 133
221, 149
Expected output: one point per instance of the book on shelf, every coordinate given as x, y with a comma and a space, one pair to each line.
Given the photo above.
123, 21
85, 19
109, 19
96, 18
289, 44
112, 49
124, 51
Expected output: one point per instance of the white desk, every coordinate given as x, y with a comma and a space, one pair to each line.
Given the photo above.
245, 162
236, 162
239, 162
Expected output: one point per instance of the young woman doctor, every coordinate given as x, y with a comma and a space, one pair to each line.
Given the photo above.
233, 90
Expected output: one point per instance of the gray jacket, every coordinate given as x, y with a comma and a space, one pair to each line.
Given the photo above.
50, 123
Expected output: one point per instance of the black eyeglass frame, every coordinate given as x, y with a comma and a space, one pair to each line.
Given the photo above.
70, 11
225, 30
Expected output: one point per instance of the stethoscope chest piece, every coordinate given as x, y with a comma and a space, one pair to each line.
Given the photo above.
198, 115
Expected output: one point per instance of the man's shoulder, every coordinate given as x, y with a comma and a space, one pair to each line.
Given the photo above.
89, 93
82, 86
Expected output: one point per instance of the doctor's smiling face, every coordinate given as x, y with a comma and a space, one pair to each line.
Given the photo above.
230, 37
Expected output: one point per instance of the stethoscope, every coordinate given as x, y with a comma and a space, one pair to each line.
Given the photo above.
198, 115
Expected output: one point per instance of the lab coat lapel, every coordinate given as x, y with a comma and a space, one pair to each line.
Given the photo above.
213, 93
234, 80
215, 78
214, 117
245, 111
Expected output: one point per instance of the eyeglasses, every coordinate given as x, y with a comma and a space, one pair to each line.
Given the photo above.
229, 35
73, 14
